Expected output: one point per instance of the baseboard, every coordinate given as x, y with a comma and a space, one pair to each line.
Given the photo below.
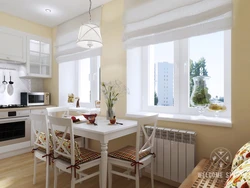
16, 152
163, 180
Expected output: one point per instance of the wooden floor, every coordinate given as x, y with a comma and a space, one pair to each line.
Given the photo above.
17, 172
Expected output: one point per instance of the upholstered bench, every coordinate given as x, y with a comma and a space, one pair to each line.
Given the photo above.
206, 174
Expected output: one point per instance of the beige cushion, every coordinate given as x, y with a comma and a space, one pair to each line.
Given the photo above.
242, 155
128, 153
67, 146
240, 177
42, 141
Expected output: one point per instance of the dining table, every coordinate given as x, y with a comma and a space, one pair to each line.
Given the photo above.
103, 132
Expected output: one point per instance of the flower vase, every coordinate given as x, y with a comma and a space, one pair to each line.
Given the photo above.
200, 97
110, 113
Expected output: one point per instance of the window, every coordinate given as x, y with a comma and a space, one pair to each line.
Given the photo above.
88, 81
210, 58
84, 90
82, 78
160, 66
166, 71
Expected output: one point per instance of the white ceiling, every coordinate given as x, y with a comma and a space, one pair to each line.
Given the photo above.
61, 10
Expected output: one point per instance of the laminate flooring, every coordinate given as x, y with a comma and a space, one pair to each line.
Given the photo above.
17, 172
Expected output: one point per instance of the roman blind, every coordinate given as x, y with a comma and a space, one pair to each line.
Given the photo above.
158, 21
66, 36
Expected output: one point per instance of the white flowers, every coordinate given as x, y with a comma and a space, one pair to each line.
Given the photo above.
112, 90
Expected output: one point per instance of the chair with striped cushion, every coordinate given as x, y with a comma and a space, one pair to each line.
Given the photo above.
68, 157
138, 157
42, 143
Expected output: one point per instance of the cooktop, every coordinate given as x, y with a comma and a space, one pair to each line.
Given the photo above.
12, 106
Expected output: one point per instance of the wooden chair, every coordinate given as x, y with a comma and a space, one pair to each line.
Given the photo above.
67, 154
63, 111
135, 158
42, 144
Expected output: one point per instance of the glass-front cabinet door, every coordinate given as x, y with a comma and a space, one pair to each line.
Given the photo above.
38, 57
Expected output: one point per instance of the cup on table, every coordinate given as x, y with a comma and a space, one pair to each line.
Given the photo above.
112, 121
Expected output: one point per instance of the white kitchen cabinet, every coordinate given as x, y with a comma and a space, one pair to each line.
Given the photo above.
12, 45
38, 58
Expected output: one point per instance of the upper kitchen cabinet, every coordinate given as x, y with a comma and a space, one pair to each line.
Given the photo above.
38, 58
12, 45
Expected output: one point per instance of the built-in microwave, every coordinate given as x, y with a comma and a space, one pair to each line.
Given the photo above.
35, 98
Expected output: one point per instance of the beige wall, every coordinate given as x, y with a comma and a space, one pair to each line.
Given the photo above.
113, 61
113, 66
133, 3
24, 25
52, 84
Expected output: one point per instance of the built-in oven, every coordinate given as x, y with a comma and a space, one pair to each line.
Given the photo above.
14, 130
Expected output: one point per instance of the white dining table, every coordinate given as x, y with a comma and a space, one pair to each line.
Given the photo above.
104, 132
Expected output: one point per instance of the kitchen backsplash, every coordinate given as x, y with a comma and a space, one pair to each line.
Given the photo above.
19, 85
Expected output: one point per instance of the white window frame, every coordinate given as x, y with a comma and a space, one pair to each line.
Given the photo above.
94, 81
181, 80
146, 86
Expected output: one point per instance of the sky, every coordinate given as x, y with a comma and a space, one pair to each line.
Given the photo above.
211, 47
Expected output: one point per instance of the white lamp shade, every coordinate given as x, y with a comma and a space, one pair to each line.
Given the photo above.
89, 36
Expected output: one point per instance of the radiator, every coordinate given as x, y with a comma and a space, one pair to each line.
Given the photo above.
175, 153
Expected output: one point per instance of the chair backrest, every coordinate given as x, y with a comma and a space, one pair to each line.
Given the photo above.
39, 128
148, 144
62, 146
54, 111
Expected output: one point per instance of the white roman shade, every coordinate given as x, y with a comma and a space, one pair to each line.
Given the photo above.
66, 37
158, 21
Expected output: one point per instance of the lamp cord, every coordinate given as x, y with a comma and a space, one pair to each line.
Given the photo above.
90, 4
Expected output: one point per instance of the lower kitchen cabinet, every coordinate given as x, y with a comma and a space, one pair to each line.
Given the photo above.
38, 111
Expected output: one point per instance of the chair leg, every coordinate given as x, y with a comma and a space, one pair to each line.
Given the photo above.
55, 176
152, 172
34, 173
73, 179
100, 176
137, 177
80, 176
109, 175
128, 171
47, 172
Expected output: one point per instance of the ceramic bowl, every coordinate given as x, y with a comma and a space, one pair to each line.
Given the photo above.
90, 117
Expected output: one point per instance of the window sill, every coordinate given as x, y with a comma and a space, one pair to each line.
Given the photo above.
201, 120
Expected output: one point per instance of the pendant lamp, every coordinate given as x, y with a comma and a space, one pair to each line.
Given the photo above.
89, 35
